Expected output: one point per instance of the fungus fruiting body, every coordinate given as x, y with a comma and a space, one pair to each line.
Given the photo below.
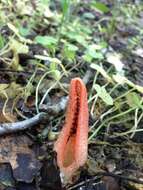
71, 145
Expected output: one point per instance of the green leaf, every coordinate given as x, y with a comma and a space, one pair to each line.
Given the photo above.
18, 47
92, 53
70, 51
115, 59
96, 55
103, 94
101, 71
134, 100
72, 47
3, 87
123, 80
46, 40
87, 58
65, 7
88, 15
2, 41
46, 58
13, 28
76, 36
80, 39
56, 74
16, 32
100, 6
24, 31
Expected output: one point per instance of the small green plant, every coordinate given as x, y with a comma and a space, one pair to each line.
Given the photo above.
48, 42
93, 52
99, 6
65, 5
69, 51
2, 41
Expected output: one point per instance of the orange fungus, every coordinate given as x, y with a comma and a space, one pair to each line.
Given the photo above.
71, 145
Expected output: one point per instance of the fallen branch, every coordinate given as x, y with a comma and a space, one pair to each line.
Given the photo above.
55, 108
88, 75
6, 128
99, 175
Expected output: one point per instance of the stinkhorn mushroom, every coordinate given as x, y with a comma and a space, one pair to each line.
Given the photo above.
72, 143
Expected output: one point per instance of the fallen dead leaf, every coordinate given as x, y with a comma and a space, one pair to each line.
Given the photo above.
16, 151
6, 177
136, 186
7, 117
111, 183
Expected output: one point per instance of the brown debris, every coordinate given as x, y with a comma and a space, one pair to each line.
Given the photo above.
16, 151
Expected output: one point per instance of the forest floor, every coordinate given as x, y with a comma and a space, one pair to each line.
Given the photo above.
43, 45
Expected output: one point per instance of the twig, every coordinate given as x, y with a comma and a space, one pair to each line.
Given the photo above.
88, 75
134, 180
39, 72
55, 108
84, 182
101, 174
6, 128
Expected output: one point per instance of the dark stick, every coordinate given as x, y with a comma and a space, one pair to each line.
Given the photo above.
88, 75
21, 72
101, 174
55, 109
6, 128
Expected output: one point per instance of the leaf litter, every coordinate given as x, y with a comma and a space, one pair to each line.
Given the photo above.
60, 42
